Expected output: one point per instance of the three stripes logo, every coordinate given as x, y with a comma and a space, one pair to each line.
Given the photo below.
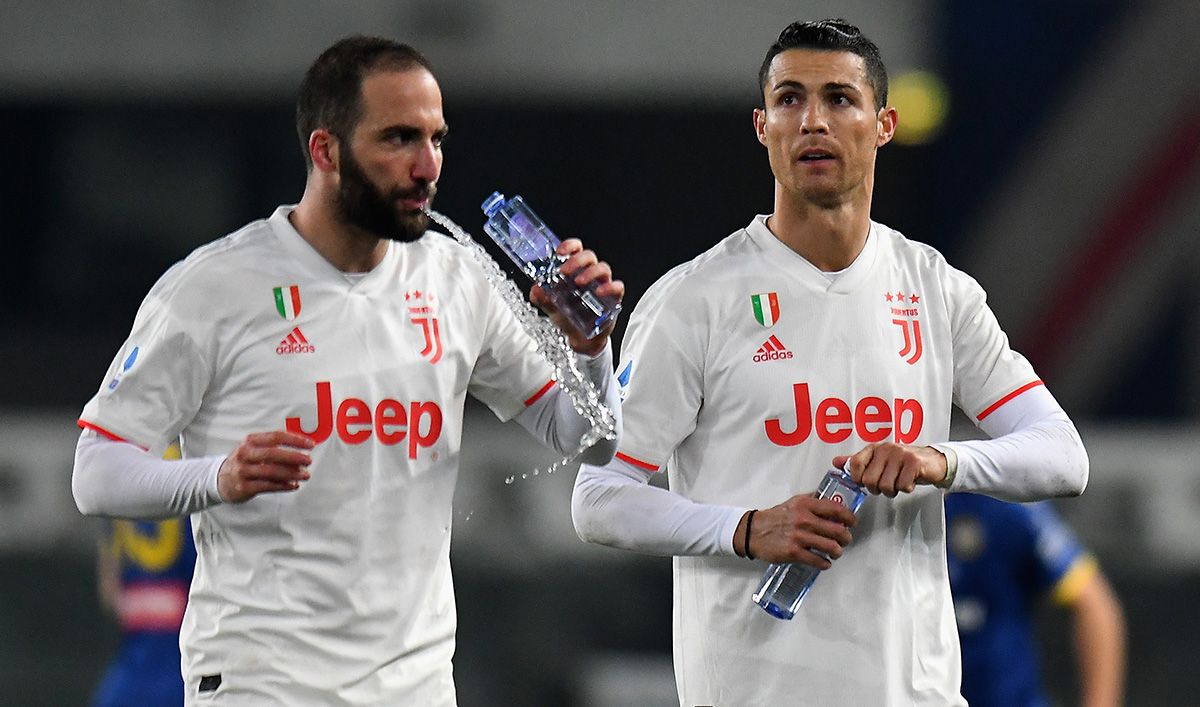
766, 308
294, 343
772, 350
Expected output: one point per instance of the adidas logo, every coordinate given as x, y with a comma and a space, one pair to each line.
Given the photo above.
772, 350
294, 343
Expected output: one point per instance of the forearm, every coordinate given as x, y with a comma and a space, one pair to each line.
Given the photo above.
615, 505
1099, 634
554, 421
119, 480
1034, 453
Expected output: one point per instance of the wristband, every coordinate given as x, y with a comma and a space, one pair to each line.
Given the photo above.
746, 542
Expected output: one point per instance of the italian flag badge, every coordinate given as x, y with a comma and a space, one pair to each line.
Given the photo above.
766, 308
287, 301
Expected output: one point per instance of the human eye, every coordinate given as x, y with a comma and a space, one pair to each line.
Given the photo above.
400, 136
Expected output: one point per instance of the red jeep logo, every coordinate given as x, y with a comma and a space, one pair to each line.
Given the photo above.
872, 419
390, 421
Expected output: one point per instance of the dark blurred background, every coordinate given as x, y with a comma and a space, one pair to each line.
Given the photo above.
1051, 149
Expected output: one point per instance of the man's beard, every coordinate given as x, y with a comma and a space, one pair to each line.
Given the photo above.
361, 204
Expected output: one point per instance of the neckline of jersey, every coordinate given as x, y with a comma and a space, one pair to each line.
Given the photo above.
291, 239
848, 279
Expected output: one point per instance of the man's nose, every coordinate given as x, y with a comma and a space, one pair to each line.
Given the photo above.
814, 120
428, 165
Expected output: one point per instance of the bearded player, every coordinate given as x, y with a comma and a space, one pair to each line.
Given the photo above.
315, 366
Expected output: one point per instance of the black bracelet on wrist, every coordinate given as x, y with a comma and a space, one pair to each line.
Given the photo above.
746, 541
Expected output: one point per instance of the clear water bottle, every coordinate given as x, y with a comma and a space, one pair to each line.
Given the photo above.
531, 245
784, 586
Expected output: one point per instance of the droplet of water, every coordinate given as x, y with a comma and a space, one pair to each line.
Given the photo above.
551, 344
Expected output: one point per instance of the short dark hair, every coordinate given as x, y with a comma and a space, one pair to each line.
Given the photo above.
836, 35
331, 92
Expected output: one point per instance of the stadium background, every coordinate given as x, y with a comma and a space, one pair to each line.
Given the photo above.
1061, 168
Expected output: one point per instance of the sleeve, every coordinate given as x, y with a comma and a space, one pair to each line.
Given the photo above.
156, 382
554, 421
116, 479
1061, 565
662, 372
1034, 452
615, 505
662, 381
987, 372
509, 374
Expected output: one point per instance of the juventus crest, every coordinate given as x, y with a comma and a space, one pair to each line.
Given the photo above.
422, 313
906, 314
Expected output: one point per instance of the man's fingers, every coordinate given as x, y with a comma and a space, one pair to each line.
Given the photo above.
611, 288
253, 488
265, 462
569, 247
274, 473
274, 455
888, 476
280, 438
598, 273
833, 511
811, 558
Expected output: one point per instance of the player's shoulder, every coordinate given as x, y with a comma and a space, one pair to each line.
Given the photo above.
911, 251
458, 265
693, 282
440, 247
924, 258
217, 265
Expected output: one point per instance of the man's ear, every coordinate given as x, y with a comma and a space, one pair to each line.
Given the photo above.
323, 149
760, 125
887, 121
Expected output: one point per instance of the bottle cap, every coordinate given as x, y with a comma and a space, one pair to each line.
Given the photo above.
493, 203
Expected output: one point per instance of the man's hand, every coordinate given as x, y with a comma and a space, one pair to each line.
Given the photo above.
890, 468
791, 531
265, 462
585, 269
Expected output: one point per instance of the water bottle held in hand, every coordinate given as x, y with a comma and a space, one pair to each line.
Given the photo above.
784, 586
532, 246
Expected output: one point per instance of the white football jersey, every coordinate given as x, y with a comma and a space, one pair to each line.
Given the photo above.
745, 371
340, 592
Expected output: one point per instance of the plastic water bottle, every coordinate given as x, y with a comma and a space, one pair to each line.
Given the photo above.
532, 246
784, 586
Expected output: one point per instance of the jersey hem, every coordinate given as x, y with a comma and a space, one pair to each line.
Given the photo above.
84, 424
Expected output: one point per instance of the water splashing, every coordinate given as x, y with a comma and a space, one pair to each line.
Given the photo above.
551, 344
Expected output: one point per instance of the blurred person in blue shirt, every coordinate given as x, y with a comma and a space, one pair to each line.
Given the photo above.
1004, 559
145, 570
